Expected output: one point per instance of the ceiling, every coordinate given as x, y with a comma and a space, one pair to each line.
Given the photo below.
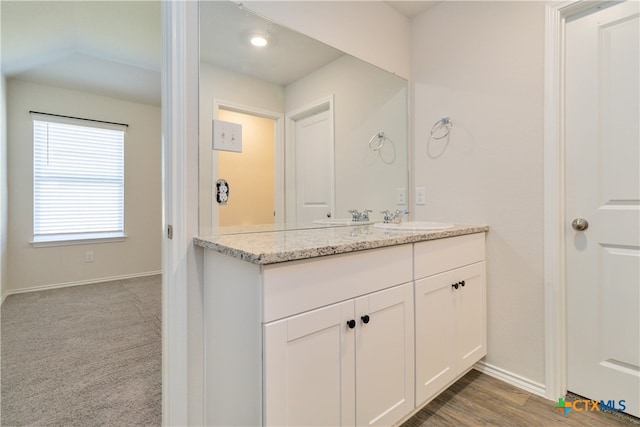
412, 8
106, 47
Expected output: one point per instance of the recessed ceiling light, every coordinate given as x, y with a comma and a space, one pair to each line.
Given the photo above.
258, 40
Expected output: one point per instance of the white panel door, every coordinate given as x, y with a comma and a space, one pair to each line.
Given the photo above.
603, 187
309, 368
384, 356
314, 167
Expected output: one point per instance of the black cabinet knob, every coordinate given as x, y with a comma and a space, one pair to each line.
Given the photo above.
455, 286
365, 319
351, 324
462, 283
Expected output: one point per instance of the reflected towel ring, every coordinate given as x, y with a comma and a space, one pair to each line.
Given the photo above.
381, 141
378, 142
443, 123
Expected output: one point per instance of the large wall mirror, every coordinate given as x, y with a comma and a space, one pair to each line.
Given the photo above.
322, 132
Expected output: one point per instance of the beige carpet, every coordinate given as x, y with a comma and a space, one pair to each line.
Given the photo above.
85, 355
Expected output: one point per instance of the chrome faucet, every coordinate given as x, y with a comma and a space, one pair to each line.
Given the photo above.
395, 217
359, 216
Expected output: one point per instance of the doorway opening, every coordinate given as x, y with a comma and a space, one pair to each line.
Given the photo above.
581, 146
255, 176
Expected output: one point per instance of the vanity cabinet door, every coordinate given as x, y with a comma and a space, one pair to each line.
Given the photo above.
384, 356
471, 312
435, 335
450, 327
346, 364
309, 368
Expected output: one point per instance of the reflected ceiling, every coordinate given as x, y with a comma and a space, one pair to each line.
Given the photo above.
225, 30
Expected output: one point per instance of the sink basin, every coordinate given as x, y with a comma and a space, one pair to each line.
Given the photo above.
415, 226
339, 221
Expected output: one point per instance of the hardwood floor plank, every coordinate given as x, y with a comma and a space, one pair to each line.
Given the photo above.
480, 400
507, 392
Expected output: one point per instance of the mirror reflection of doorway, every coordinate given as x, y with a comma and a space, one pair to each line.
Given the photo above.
250, 174
310, 159
315, 192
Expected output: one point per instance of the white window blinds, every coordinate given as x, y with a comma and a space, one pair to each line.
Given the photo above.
78, 179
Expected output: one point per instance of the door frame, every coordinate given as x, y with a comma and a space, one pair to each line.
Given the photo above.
321, 104
555, 285
182, 326
279, 163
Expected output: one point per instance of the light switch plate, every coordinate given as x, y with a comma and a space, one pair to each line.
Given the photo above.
421, 196
401, 196
227, 136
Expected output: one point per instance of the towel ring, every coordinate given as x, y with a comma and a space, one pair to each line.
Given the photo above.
381, 141
443, 123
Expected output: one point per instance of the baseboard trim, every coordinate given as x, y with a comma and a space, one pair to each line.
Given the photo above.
78, 283
511, 378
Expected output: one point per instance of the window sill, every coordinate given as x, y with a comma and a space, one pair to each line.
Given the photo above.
68, 240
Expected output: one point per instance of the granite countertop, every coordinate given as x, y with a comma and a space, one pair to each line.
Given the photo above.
270, 247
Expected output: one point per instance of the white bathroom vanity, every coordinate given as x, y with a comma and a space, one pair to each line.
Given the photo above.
339, 326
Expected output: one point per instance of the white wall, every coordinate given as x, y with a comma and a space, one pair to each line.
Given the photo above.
370, 30
367, 100
481, 63
32, 268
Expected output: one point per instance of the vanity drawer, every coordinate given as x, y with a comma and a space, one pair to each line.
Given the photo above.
298, 286
436, 256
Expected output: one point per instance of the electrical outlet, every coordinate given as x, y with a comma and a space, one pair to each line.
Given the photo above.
88, 256
401, 196
227, 136
421, 196
222, 191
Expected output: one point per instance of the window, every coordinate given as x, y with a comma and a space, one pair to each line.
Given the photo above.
78, 179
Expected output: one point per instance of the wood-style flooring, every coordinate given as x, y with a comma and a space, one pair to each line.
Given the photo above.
480, 400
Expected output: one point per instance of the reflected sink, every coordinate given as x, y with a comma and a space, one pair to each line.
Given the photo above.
340, 221
415, 226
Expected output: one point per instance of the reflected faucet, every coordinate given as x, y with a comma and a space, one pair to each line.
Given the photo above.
359, 216
395, 217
